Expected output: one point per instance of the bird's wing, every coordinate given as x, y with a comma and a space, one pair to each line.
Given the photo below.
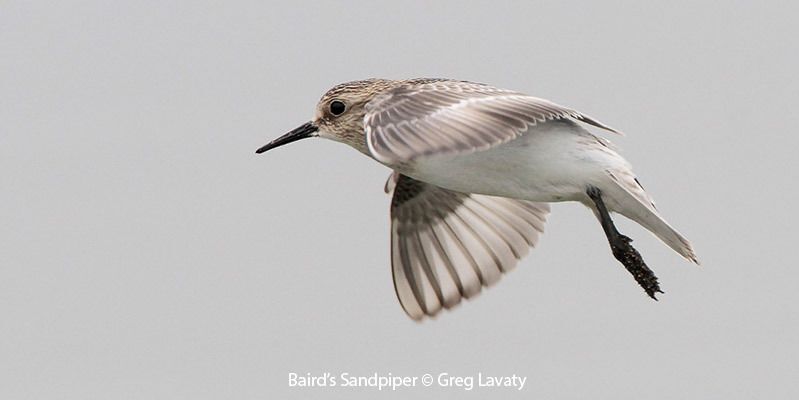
446, 245
453, 117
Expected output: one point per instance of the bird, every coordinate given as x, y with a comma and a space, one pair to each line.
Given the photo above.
475, 168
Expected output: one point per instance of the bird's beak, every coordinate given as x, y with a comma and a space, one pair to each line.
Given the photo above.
306, 130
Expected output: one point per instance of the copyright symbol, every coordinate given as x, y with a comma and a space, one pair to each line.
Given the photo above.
427, 379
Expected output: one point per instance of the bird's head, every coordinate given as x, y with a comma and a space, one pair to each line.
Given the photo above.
339, 115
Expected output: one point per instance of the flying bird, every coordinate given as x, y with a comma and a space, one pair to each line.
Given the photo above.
474, 168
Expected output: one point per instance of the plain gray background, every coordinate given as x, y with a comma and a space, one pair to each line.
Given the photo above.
146, 252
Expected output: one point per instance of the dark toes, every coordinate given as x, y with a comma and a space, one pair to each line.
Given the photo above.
634, 263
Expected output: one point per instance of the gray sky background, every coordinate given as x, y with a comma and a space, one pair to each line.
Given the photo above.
146, 252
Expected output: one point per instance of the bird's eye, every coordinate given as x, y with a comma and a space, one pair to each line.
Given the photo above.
337, 107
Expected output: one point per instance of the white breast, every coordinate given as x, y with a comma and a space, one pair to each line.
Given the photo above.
551, 162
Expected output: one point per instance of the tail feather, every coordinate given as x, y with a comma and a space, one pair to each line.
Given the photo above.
633, 202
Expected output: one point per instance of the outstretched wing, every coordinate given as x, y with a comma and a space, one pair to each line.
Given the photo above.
429, 117
446, 245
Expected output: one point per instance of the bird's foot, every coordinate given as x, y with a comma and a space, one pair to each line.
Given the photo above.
633, 262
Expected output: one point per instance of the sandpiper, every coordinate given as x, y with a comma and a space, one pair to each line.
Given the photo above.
475, 167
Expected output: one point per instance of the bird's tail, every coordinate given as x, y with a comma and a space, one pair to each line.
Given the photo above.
627, 197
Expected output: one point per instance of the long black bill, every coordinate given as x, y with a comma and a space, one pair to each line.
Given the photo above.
306, 130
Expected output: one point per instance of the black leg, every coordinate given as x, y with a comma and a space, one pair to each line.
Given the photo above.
622, 249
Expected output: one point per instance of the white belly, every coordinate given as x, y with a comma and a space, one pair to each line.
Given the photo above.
554, 161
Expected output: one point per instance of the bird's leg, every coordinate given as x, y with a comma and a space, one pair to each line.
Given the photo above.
622, 249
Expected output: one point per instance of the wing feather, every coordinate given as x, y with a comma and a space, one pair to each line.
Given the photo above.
447, 245
453, 117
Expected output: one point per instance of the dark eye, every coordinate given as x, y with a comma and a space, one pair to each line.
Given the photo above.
337, 107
